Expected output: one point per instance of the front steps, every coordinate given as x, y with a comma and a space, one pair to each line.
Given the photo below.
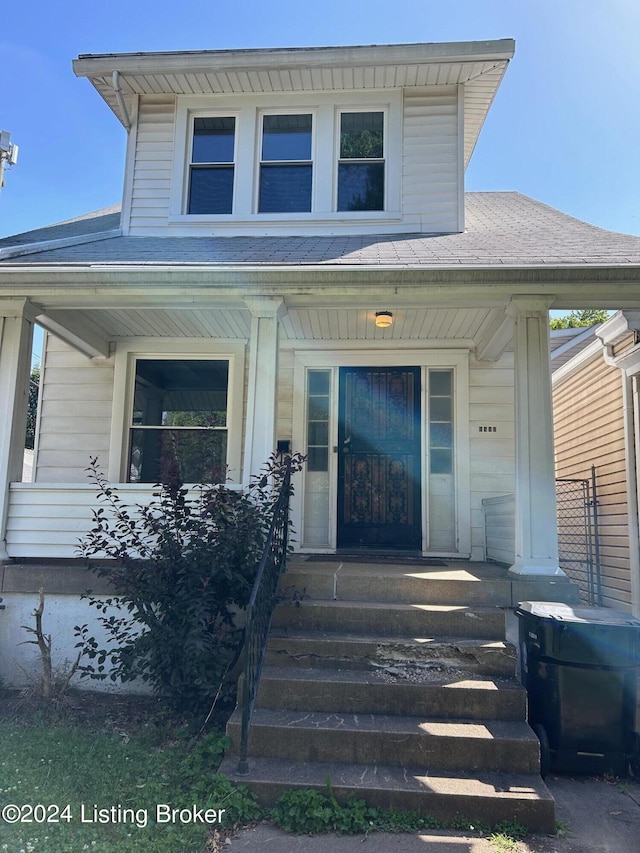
395, 682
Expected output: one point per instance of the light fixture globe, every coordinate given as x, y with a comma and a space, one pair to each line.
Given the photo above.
384, 319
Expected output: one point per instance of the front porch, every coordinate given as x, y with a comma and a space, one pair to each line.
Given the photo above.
479, 408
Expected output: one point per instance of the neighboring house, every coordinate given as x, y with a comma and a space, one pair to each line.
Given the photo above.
296, 260
595, 374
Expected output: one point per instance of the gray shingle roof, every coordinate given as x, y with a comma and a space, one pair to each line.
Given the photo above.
504, 229
106, 219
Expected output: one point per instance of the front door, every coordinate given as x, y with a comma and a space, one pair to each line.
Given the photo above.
379, 458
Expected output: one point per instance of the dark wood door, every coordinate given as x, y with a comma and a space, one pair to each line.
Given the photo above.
379, 458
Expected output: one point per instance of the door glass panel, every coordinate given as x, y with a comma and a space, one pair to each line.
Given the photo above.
442, 533
316, 485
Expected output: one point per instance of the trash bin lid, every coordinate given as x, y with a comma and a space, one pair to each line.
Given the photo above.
555, 610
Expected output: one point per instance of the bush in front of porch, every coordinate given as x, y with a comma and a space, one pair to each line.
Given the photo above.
182, 570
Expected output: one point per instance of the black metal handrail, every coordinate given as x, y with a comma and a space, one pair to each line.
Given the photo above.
261, 606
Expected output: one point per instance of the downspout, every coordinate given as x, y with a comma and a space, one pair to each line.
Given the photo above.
629, 409
115, 82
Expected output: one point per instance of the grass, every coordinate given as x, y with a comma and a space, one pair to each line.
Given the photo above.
92, 775
97, 786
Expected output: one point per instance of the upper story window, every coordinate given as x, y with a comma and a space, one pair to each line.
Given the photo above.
261, 163
211, 172
286, 169
361, 177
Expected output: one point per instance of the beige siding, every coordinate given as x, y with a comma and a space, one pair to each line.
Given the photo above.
75, 417
589, 430
430, 159
153, 163
492, 454
284, 413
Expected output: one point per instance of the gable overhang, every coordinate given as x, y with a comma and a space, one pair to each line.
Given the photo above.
478, 66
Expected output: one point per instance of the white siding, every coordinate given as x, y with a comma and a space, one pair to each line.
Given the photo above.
153, 163
75, 416
430, 159
49, 520
429, 179
500, 526
492, 454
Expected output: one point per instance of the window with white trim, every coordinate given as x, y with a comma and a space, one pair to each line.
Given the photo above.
252, 160
212, 166
361, 172
179, 416
286, 167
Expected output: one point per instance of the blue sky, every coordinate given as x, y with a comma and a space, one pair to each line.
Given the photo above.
565, 127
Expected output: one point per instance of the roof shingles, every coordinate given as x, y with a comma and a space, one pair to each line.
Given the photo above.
502, 229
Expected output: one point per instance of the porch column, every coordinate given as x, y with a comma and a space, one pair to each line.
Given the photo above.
260, 434
536, 518
16, 337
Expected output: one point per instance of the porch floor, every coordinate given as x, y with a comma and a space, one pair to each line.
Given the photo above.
367, 576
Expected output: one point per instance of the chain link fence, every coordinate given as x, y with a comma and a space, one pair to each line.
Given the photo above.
578, 535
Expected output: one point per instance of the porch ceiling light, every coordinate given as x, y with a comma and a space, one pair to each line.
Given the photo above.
384, 319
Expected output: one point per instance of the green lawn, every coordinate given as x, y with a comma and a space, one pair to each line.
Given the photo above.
103, 785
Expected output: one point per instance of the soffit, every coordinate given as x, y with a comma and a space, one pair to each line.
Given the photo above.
463, 325
479, 66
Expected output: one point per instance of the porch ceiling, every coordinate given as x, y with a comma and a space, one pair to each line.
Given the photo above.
469, 327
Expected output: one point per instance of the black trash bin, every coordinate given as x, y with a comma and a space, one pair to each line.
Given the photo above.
579, 666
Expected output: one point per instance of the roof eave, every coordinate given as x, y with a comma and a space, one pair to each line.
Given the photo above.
91, 65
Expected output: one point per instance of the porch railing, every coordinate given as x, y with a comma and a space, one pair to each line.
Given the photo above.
260, 609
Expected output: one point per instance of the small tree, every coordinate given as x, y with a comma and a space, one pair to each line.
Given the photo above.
32, 407
577, 319
181, 569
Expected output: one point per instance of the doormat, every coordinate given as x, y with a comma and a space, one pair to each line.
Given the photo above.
396, 559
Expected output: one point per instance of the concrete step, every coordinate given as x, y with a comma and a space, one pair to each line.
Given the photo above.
356, 651
453, 582
417, 620
484, 745
379, 692
486, 797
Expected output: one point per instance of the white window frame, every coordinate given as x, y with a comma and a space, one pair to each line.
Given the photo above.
340, 111
127, 354
190, 164
259, 162
248, 110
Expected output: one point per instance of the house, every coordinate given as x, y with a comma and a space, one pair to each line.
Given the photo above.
296, 263
596, 423
275, 202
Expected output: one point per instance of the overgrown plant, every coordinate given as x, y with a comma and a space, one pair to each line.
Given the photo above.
181, 569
